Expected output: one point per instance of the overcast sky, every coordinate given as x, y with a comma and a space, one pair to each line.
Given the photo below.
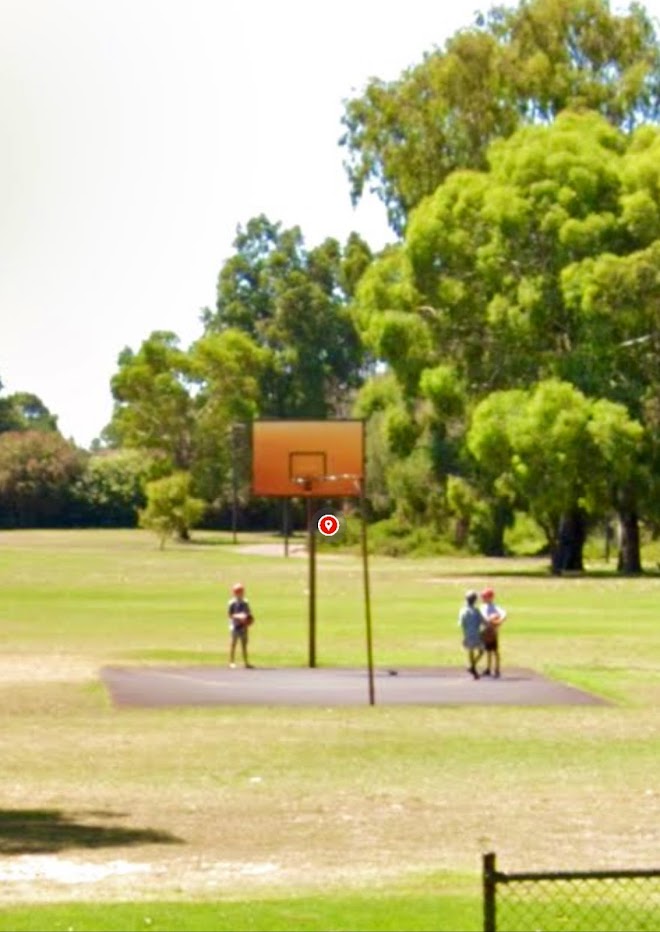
136, 135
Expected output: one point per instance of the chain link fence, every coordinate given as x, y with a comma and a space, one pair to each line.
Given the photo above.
579, 901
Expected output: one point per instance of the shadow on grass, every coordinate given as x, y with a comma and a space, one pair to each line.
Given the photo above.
524, 573
44, 831
242, 537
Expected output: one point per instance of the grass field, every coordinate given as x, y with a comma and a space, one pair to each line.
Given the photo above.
274, 818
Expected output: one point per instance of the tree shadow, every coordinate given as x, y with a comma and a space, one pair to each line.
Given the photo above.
44, 831
591, 573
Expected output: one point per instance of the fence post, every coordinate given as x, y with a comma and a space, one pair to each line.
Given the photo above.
490, 911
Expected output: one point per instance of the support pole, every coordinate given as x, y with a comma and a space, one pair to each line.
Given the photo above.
367, 596
311, 556
234, 487
286, 521
490, 893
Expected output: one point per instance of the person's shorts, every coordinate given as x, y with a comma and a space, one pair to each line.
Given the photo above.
239, 633
472, 643
489, 639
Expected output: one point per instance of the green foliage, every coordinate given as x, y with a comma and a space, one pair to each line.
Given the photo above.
524, 538
444, 390
38, 469
387, 284
110, 491
25, 411
524, 287
179, 406
414, 489
351, 536
171, 510
540, 267
377, 394
394, 537
400, 430
513, 66
292, 302
153, 401
555, 452
227, 368
480, 520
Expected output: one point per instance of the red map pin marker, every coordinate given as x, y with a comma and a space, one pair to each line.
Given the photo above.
328, 525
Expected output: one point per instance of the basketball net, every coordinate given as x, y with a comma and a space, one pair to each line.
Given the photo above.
306, 483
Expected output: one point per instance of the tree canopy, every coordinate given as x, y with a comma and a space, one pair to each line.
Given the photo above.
513, 66
544, 265
292, 302
504, 349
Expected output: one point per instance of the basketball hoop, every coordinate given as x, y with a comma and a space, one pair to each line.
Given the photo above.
315, 459
308, 482
304, 482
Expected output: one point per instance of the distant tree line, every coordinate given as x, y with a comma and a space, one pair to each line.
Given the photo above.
504, 349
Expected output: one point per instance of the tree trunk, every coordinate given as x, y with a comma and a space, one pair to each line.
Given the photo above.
503, 518
567, 555
630, 560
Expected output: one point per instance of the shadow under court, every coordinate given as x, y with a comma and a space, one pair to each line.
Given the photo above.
46, 831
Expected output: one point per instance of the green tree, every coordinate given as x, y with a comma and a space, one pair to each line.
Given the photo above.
227, 368
110, 491
543, 266
486, 470
376, 396
515, 65
154, 407
293, 303
179, 405
171, 510
565, 457
25, 411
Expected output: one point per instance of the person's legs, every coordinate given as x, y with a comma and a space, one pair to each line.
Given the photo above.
497, 660
244, 647
475, 655
233, 637
241, 634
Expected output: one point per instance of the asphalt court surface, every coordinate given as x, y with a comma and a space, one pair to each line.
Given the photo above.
167, 685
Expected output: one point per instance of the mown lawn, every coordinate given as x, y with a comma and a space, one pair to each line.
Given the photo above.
247, 817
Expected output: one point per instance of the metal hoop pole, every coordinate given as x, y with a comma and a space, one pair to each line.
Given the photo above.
311, 556
367, 596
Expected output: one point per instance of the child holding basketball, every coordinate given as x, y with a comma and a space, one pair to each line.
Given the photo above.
494, 616
240, 619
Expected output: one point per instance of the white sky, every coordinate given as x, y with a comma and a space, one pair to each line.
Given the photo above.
136, 135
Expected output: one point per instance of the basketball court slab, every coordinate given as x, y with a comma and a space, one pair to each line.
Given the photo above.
162, 686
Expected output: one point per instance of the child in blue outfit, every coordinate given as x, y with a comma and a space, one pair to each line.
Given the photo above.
471, 622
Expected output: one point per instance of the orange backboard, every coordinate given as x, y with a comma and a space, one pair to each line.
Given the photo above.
324, 459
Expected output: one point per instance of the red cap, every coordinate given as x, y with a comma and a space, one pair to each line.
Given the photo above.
487, 594
238, 587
